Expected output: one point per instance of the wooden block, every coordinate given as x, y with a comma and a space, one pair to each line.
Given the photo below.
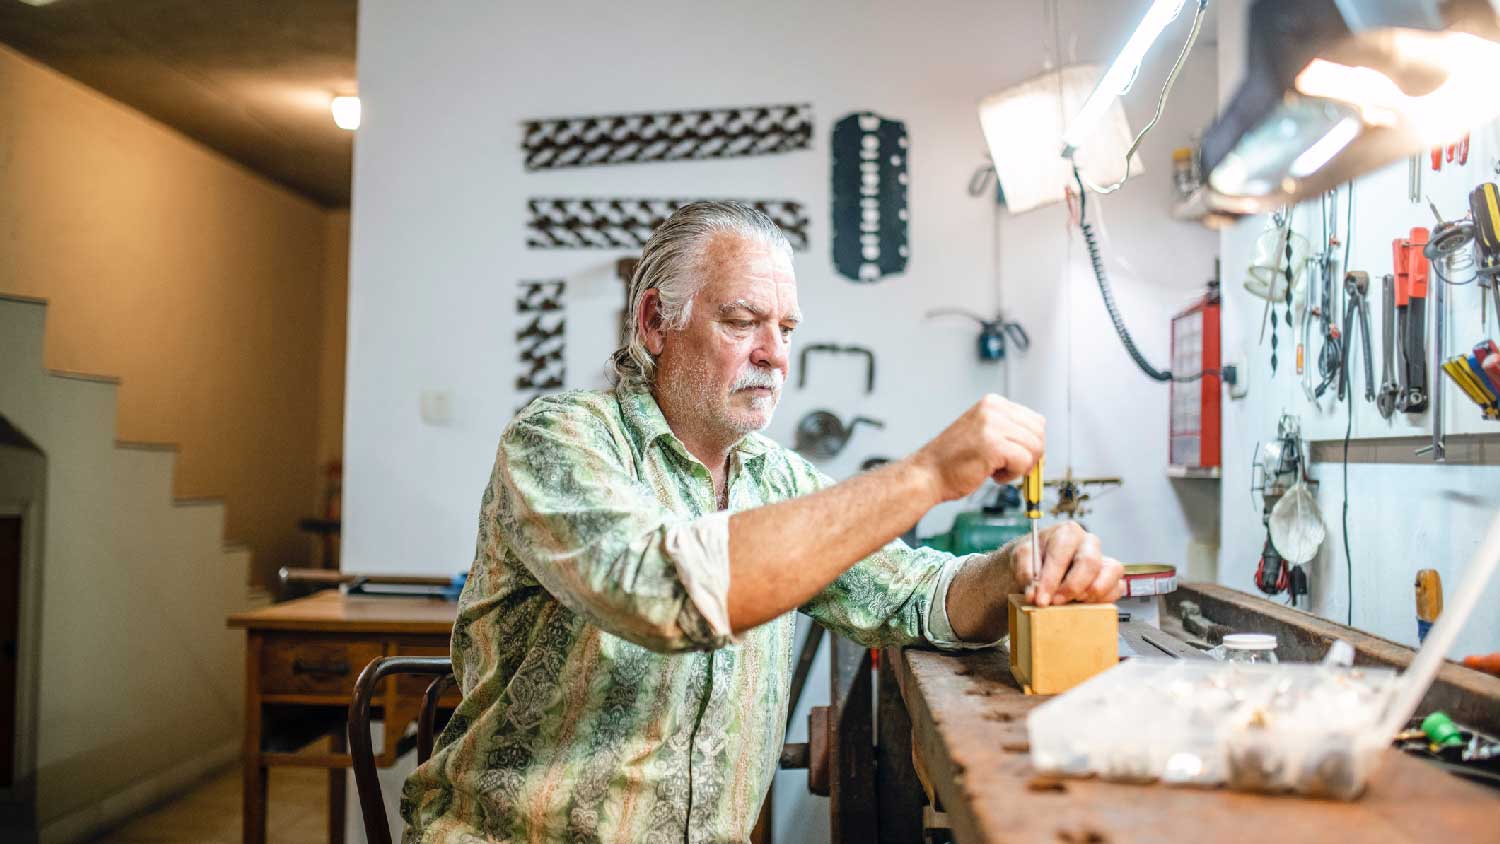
1053, 649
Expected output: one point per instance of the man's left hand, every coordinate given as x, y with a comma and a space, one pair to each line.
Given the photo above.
1073, 569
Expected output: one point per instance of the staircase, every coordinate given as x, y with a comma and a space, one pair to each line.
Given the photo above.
140, 687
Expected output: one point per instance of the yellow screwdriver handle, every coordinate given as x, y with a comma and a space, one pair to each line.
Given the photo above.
1031, 491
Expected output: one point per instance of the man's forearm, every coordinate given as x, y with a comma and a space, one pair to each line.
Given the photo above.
977, 596
781, 555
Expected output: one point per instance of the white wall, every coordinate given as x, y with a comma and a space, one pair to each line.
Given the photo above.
1401, 517
136, 664
439, 245
438, 241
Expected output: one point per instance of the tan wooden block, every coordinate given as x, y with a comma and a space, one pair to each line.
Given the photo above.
1053, 649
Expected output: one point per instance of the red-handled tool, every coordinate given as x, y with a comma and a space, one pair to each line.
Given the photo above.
1488, 355
1411, 318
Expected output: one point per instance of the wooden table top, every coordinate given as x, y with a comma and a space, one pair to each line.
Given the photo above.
969, 726
330, 611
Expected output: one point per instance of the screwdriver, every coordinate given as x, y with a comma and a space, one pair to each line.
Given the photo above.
1031, 492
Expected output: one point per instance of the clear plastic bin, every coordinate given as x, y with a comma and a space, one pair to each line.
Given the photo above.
1310, 729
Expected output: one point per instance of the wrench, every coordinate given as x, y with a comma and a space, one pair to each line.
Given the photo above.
1385, 400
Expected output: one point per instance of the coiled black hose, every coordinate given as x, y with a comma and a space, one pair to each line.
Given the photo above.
1092, 244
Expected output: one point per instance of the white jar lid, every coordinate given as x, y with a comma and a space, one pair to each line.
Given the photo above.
1250, 642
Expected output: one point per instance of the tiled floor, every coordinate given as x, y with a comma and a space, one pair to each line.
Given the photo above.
210, 814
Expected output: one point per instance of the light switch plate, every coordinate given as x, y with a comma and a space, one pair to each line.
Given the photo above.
437, 407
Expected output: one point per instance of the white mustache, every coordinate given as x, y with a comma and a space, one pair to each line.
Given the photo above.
755, 377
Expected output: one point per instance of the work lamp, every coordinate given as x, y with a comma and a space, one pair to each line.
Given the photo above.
1336, 88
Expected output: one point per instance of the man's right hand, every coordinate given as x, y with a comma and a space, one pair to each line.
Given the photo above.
995, 438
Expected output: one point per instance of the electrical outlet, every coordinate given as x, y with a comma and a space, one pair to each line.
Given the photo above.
1233, 374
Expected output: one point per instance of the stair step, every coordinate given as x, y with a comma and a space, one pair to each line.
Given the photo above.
23, 299
142, 445
85, 376
198, 501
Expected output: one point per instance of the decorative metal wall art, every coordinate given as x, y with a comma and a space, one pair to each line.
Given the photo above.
540, 337
555, 143
869, 197
619, 223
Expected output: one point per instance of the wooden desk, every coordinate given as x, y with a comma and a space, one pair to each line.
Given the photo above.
969, 734
301, 660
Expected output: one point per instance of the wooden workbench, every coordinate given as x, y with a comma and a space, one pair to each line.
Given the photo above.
969, 734
301, 660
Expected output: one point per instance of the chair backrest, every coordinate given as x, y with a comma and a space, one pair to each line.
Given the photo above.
362, 753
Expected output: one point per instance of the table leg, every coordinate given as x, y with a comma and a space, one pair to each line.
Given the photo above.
253, 779
254, 805
337, 793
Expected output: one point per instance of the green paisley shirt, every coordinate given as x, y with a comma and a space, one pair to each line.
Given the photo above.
599, 703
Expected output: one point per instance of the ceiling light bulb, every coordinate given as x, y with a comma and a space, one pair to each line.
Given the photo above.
345, 112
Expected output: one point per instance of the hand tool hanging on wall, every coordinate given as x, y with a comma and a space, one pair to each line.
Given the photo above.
993, 333
1477, 385
1385, 400
1356, 290
1454, 153
1484, 205
834, 348
1279, 467
1411, 318
1429, 592
1487, 360
1331, 356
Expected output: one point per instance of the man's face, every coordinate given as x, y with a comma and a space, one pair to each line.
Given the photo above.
725, 369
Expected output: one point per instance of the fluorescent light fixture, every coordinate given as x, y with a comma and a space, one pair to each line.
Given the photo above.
38, 2
1320, 153
1336, 88
345, 112
1121, 73
1023, 128
1466, 96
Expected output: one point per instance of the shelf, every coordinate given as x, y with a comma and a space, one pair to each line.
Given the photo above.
1202, 206
1203, 472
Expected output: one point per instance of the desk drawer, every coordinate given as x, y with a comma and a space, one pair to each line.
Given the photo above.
298, 664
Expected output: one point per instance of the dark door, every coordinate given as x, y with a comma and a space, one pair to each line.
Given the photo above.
10, 622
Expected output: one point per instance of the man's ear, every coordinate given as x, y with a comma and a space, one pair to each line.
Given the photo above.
648, 322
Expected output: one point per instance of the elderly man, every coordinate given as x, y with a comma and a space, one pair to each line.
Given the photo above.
625, 640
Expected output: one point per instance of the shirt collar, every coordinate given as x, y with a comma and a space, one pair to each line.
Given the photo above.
644, 418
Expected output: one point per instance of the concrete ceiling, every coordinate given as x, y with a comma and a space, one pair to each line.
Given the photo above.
249, 78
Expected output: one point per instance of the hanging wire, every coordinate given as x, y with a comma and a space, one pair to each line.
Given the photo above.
1096, 259
1161, 101
1348, 427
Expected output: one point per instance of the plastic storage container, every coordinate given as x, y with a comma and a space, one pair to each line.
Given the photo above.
1312, 729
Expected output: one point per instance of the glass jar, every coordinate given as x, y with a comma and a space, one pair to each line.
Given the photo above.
1250, 648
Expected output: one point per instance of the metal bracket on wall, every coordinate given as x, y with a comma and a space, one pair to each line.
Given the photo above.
834, 348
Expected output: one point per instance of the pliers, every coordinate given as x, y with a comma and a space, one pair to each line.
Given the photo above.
1356, 288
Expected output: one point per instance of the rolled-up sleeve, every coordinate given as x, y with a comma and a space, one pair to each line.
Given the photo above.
895, 596
567, 505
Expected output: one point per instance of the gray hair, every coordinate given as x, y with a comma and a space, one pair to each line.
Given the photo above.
671, 264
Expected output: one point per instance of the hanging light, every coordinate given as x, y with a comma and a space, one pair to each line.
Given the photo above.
1121, 73
1336, 88
345, 112
1023, 129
